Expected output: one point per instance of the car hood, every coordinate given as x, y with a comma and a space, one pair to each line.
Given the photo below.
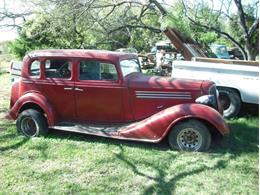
138, 80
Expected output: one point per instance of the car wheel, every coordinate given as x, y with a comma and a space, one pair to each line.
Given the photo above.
190, 135
32, 123
231, 102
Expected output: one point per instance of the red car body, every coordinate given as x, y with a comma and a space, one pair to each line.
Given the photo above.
144, 108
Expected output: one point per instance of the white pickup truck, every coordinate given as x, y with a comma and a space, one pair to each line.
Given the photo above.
236, 84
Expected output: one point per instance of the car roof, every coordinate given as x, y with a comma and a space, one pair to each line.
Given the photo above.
81, 53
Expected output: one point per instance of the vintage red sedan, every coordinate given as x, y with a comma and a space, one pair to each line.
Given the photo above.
104, 93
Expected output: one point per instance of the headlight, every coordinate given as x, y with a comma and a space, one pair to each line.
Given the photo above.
206, 99
211, 99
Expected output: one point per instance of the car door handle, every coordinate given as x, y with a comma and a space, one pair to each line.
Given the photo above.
78, 89
68, 88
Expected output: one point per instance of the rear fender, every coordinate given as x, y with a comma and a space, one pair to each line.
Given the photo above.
38, 99
156, 127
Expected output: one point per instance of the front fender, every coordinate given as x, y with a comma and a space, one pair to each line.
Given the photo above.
35, 98
156, 127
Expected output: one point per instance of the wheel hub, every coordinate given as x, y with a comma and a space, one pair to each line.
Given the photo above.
189, 138
28, 126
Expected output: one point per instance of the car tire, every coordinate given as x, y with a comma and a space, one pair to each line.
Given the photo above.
32, 123
231, 102
190, 135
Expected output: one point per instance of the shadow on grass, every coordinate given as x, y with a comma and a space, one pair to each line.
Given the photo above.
243, 138
162, 183
42, 148
14, 143
10, 137
5, 126
249, 110
54, 134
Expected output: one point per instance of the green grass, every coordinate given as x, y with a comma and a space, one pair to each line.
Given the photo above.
69, 163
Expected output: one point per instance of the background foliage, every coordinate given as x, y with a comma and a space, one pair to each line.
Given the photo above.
117, 24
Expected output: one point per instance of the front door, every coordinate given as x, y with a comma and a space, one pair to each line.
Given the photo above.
98, 92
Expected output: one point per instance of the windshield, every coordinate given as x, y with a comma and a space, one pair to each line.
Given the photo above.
130, 65
220, 51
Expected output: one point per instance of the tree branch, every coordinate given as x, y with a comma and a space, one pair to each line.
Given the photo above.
242, 19
162, 10
153, 29
253, 28
211, 28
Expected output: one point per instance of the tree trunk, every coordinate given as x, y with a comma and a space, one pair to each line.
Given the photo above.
242, 50
251, 53
251, 50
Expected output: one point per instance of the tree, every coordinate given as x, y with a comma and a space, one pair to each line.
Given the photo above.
110, 24
96, 24
14, 18
245, 18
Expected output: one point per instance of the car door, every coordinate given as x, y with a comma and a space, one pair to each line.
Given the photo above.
98, 92
58, 87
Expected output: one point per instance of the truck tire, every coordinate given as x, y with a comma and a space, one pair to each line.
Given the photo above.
32, 123
231, 102
190, 135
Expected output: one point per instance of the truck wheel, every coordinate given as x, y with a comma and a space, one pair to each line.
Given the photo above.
190, 135
32, 123
230, 101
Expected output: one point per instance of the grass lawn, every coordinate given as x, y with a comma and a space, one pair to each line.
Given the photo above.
69, 163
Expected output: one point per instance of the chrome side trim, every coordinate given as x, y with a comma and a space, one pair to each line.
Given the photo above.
162, 92
177, 94
26, 81
163, 95
158, 97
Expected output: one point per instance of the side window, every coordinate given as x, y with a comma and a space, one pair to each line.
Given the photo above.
34, 69
108, 71
56, 68
94, 70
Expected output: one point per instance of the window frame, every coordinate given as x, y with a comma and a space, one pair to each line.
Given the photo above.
138, 63
71, 61
96, 81
40, 69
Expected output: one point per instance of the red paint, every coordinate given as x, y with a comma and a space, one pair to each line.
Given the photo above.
156, 127
130, 99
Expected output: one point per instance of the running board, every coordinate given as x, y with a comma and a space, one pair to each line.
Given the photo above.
100, 130
116, 131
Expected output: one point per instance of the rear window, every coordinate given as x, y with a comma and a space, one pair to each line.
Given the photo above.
56, 68
34, 69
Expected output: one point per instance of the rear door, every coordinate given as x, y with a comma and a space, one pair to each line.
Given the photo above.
58, 86
98, 92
